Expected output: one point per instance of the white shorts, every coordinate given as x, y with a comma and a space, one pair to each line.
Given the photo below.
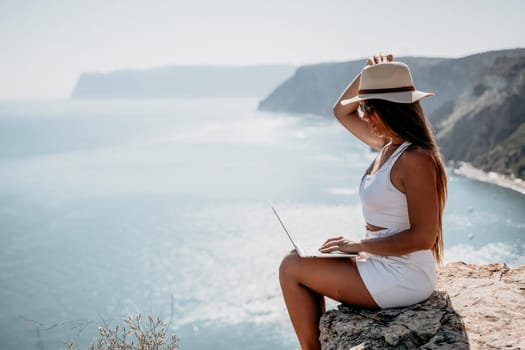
396, 281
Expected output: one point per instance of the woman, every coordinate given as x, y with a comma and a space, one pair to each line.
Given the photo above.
403, 193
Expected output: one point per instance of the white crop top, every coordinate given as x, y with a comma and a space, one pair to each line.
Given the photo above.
383, 204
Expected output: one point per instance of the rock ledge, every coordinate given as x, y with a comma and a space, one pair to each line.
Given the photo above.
473, 307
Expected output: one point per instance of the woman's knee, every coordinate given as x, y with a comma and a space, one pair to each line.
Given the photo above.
289, 266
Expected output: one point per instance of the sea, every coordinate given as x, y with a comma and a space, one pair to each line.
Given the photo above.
111, 208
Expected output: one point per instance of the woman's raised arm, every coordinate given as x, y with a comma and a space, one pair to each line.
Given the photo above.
349, 118
348, 115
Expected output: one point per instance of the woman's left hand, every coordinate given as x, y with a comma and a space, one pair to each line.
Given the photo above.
340, 244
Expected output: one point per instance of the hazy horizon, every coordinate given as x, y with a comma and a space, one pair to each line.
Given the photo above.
46, 46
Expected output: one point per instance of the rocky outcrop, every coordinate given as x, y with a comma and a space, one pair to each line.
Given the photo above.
473, 307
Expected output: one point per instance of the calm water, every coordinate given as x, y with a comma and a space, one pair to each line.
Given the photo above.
110, 208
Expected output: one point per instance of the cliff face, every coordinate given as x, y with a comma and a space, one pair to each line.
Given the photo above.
311, 89
486, 123
474, 307
477, 113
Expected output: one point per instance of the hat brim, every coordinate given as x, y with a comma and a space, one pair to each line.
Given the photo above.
399, 97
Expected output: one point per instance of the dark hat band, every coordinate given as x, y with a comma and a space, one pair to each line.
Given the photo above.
385, 91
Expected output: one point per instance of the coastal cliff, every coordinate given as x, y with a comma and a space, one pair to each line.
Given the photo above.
473, 307
486, 123
478, 112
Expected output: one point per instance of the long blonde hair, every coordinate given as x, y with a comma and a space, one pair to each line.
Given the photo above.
408, 121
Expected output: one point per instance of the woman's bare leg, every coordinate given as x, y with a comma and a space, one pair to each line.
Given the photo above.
305, 281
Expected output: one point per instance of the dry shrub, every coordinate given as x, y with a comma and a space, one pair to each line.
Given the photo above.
133, 335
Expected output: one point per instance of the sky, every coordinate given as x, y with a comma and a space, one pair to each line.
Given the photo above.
46, 45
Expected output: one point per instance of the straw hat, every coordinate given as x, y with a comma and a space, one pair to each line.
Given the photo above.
389, 81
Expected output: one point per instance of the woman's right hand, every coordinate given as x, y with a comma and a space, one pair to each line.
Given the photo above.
379, 58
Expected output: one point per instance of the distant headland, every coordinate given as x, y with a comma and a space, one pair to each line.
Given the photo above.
183, 81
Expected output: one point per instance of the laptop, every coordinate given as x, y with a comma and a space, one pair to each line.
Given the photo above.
307, 252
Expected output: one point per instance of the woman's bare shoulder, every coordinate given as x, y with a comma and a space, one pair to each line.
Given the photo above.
418, 160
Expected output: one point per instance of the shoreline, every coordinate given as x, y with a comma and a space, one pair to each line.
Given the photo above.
467, 170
